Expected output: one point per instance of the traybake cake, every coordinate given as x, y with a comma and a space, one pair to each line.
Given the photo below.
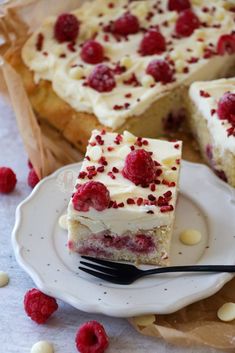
212, 116
123, 205
124, 65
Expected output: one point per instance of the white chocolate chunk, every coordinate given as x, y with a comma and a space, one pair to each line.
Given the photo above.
190, 237
170, 175
140, 9
179, 65
226, 312
42, 347
126, 62
4, 279
76, 72
128, 137
63, 222
95, 153
147, 81
145, 320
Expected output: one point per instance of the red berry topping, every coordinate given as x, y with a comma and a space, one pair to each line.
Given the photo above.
32, 178
153, 42
186, 24
91, 194
160, 70
91, 338
39, 306
139, 167
92, 52
226, 107
178, 5
126, 24
102, 79
66, 28
226, 44
7, 180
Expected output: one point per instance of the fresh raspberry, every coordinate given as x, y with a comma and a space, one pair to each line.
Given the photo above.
32, 178
139, 167
153, 42
7, 180
39, 306
91, 194
186, 23
178, 5
226, 107
66, 28
160, 70
226, 44
102, 79
92, 52
126, 24
91, 338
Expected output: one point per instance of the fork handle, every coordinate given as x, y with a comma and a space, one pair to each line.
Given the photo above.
193, 268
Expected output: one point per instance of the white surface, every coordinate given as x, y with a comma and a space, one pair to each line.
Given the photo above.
55, 270
18, 332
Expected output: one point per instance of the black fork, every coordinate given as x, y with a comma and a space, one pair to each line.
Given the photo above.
120, 273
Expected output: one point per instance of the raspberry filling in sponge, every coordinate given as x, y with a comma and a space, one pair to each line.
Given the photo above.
124, 200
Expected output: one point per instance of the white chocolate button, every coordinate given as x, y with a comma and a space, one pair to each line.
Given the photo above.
145, 320
128, 137
126, 62
95, 153
42, 347
147, 81
190, 237
76, 72
226, 312
4, 279
63, 223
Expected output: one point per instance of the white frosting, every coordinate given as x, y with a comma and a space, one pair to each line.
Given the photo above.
218, 128
133, 217
42, 347
68, 81
4, 279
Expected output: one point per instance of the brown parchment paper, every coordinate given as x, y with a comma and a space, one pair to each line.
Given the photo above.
194, 324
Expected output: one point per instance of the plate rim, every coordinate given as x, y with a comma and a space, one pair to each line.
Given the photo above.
101, 308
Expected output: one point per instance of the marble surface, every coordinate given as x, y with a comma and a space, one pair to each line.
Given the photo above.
17, 332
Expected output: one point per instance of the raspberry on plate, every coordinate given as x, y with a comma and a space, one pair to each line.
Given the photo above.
7, 180
152, 43
39, 306
33, 179
66, 28
178, 5
226, 44
186, 23
102, 79
91, 338
160, 70
92, 52
126, 24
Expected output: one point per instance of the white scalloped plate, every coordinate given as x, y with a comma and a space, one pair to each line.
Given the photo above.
205, 203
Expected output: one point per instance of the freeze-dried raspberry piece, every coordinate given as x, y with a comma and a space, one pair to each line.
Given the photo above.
102, 79
91, 338
66, 28
153, 42
226, 44
126, 24
39, 306
139, 167
186, 23
160, 70
91, 194
178, 5
7, 180
92, 52
226, 107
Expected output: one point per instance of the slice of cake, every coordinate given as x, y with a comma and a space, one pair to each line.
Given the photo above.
123, 206
124, 65
212, 117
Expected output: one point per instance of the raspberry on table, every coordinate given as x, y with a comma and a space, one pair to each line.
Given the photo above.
92, 52
226, 44
7, 180
126, 24
66, 28
152, 43
91, 338
186, 23
139, 167
39, 306
33, 179
91, 194
178, 5
160, 70
102, 79
226, 107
